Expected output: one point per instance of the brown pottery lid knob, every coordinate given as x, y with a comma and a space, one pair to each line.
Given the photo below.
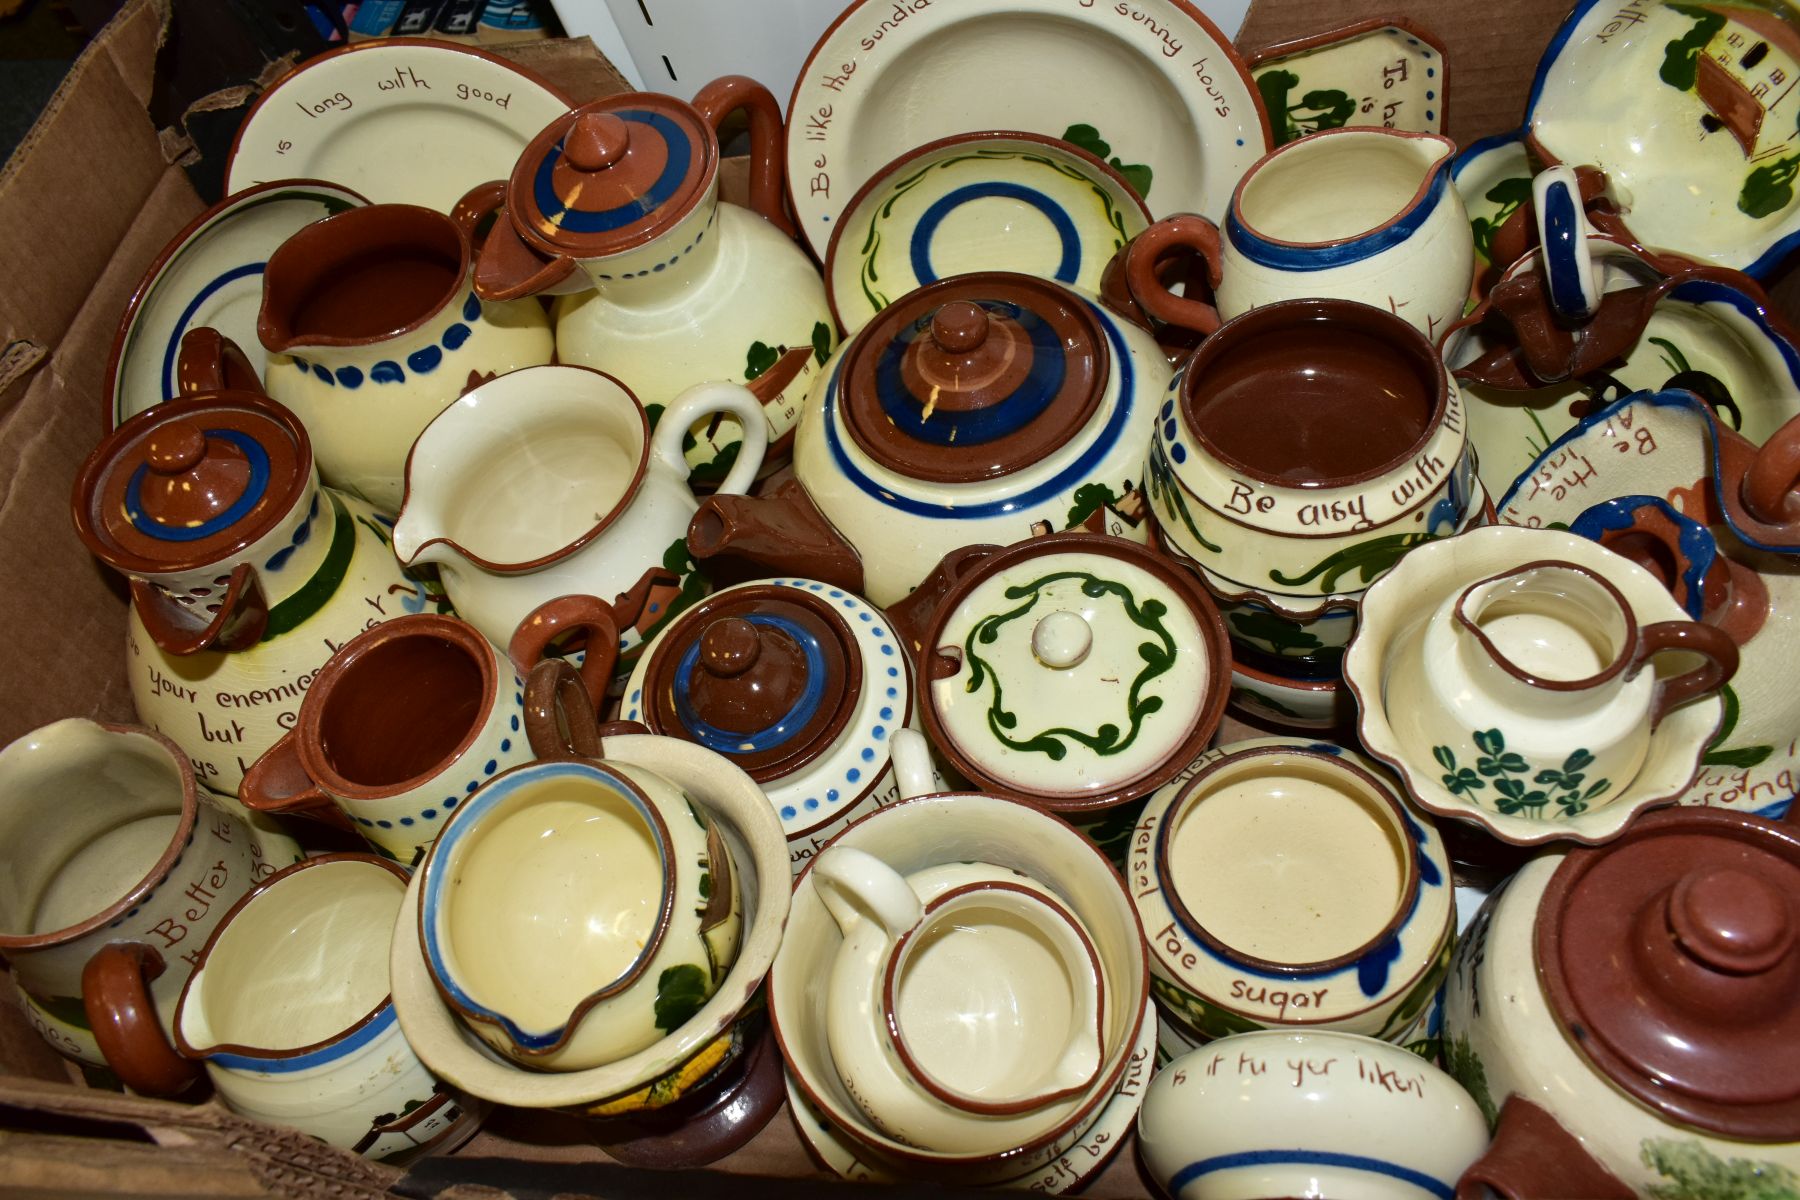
191, 478
730, 646
959, 327
1731, 921
175, 447
596, 141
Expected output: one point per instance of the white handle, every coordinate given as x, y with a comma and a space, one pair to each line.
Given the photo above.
853, 883
913, 772
1574, 278
702, 400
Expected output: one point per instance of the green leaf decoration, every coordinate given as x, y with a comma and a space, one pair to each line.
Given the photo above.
1464, 1064
1089, 498
1275, 87
821, 341
1160, 483
1696, 1173
706, 885
1284, 636
1769, 189
1088, 138
680, 992
1138, 175
1509, 194
1368, 559
1681, 57
1744, 757
760, 358
1502, 767
1490, 741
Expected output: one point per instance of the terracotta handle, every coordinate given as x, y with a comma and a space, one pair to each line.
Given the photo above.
565, 614
1534, 1158
1774, 472
911, 615
477, 205
559, 717
506, 268
1708, 641
1183, 231
115, 991
726, 95
243, 615
211, 362
278, 783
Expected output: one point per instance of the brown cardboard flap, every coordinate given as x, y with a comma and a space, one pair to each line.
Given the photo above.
572, 64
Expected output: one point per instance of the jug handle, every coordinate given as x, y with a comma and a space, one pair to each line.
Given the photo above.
554, 619
1572, 281
911, 756
238, 625
278, 782
1183, 231
699, 401
506, 268
208, 361
1533, 1157
559, 718
1711, 643
115, 992
853, 883
726, 95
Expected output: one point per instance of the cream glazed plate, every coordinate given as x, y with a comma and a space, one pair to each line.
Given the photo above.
401, 120
209, 275
1151, 87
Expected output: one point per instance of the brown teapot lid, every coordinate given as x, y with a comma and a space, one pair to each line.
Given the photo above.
1671, 956
612, 175
763, 674
190, 482
974, 377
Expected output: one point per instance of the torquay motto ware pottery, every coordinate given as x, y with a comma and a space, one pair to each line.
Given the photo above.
246, 575
1154, 88
1493, 177
1495, 773
940, 831
209, 276
979, 202
548, 482
1642, 996
1687, 109
1284, 697
1354, 214
984, 1001
401, 120
984, 408
1293, 1114
117, 869
288, 1007
684, 289
1387, 72
1283, 882
371, 331
799, 683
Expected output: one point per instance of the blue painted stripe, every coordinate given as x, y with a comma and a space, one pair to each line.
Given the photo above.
254, 488
1058, 488
1695, 541
581, 220
1429, 1184
172, 351
805, 706
328, 1053
1562, 231
1476, 149
926, 229
1707, 291
977, 426
1282, 256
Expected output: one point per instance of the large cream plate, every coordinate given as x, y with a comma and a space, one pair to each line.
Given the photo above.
1154, 82
403, 121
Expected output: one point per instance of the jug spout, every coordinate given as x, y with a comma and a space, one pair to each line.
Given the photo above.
741, 537
1532, 1155
417, 539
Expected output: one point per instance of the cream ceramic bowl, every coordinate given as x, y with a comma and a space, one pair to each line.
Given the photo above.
759, 855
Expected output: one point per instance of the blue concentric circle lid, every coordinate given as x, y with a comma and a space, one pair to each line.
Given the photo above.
612, 175
765, 675
190, 482
974, 377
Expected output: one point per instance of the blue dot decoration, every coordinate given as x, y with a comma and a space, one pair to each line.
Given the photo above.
868, 754
789, 812
505, 745
323, 374
811, 804
350, 377
888, 650
425, 361
1178, 452
429, 814
853, 774
515, 724
449, 801
892, 693
387, 371
491, 767
406, 820
831, 796
892, 671
472, 308
385, 824
455, 336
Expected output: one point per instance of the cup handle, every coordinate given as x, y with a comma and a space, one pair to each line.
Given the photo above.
695, 403
1710, 642
1773, 474
278, 783
565, 614
911, 756
477, 205
1572, 279
559, 717
238, 625
115, 992
730, 93
208, 361
1183, 231
854, 884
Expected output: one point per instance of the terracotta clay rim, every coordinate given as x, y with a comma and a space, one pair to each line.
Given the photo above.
1287, 314
1344, 33
572, 1023
1619, 661
1207, 715
104, 459
190, 814
1317, 687
1185, 800
625, 500
1711, 1116
1425, 187
109, 389
309, 745
886, 174
1077, 1120
891, 1015
188, 1050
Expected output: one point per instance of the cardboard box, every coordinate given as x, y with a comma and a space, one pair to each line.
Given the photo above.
85, 204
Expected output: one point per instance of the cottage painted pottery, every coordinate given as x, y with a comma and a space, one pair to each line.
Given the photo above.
1493, 177
673, 287
371, 330
1286, 1113
1387, 73
246, 575
288, 1007
799, 683
985, 408
1283, 882
118, 867
1355, 214
1642, 996
968, 1022
1396, 668
944, 830
548, 482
